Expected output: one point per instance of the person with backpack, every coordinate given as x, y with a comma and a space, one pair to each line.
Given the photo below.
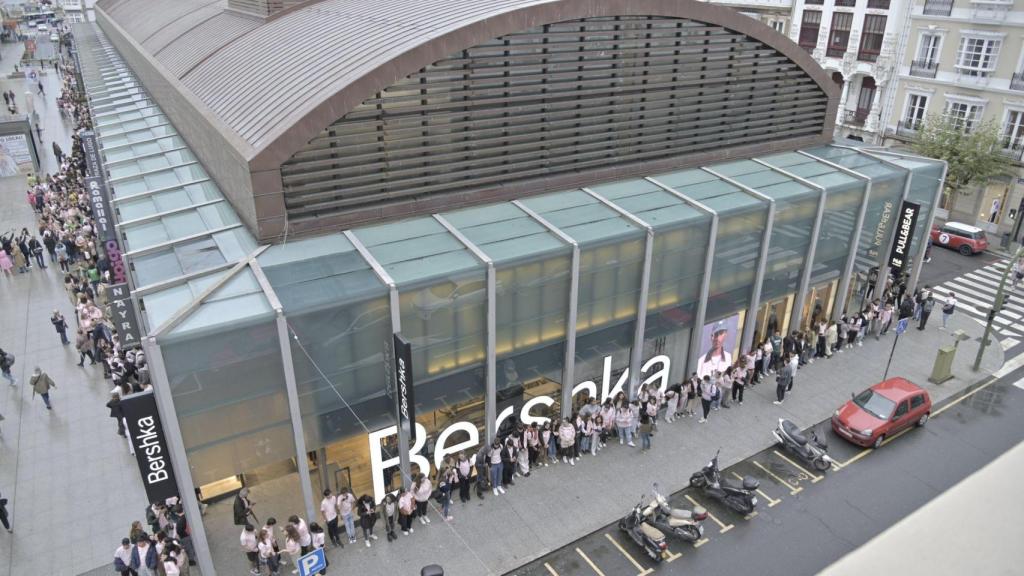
948, 307
61, 326
926, 310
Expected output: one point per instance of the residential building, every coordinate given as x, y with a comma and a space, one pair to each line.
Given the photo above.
964, 58
857, 42
77, 11
775, 14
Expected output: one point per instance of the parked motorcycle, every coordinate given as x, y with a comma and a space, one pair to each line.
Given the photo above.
679, 522
738, 497
646, 536
811, 449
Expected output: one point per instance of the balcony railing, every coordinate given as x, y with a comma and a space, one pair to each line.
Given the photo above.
855, 117
908, 128
815, 2
1017, 81
833, 52
924, 68
880, 4
1013, 152
847, 3
938, 7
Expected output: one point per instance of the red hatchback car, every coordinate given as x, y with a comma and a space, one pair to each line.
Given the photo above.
882, 411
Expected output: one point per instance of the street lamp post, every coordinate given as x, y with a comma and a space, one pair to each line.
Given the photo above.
996, 307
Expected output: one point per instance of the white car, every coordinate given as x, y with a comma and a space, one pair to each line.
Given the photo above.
43, 28
54, 37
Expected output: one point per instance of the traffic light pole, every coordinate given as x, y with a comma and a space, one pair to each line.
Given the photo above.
997, 306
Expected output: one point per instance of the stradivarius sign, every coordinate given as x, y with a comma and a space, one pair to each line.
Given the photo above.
655, 371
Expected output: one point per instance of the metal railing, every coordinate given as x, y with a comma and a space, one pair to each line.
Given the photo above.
1017, 81
855, 117
908, 127
847, 3
938, 7
880, 4
924, 68
1014, 152
833, 52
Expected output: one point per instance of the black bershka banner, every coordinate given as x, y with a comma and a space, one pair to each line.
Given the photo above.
900, 256
405, 403
146, 434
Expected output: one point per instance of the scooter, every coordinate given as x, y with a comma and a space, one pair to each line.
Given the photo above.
679, 522
646, 536
809, 449
739, 498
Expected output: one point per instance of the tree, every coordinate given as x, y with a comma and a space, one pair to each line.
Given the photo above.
972, 156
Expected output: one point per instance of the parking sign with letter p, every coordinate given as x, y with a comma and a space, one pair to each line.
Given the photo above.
312, 563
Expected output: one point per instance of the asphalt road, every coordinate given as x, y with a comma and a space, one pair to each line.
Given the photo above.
947, 264
804, 523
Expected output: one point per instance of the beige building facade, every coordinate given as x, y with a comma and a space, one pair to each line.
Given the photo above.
965, 58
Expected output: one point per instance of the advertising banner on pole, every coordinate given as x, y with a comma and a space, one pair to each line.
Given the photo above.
146, 434
405, 403
899, 255
717, 342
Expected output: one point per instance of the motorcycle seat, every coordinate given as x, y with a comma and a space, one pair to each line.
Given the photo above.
681, 513
651, 532
793, 432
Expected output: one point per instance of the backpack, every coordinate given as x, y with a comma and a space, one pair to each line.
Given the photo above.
10, 359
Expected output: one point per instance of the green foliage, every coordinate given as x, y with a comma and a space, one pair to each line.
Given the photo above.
973, 157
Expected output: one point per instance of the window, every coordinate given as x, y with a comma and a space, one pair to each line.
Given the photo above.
965, 115
928, 48
977, 56
1013, 130
901, 410
871, 37
917, 401
847, 3
879, 4
779, 26
917, 106
839, 37
809, 27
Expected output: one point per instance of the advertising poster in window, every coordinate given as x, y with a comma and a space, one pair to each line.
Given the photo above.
15, 157
717, 343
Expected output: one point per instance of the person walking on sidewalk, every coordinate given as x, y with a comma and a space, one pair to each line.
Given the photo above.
61, 326
116, 411
329, 510
41, 384
948, 307
123, 558
783, 381
5, 517
6, 361
926, 311
84, 346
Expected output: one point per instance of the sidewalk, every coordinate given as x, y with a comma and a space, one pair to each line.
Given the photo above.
559, 504
73, 489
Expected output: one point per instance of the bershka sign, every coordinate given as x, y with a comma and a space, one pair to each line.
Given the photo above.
99, 199
147, 437
441, 448
899, 256
405, 403
881, 229
122, 311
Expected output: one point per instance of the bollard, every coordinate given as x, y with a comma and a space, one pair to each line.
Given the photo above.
432, 570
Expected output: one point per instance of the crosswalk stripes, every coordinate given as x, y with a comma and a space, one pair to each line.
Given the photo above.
976, 293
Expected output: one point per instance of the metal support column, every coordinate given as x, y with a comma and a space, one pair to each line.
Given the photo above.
294, 411
569, 364
750, 322
890, 237
404, 466
179, 458
636, 353
491, 394
851, 258
705, 284
796, 318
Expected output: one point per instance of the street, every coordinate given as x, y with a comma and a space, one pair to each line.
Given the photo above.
806, 520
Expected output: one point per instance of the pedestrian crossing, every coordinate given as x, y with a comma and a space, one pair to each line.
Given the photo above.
976, 293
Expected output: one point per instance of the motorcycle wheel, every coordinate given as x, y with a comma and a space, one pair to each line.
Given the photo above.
820, 464
622, 526
692, 534
740, 505
697, 480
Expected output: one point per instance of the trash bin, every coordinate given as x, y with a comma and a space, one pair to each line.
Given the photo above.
432, 570
1004, 242
943, 368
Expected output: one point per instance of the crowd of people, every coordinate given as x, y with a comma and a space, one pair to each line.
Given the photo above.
166, 550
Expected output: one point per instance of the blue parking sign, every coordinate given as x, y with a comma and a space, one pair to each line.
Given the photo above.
901, 326
312, 563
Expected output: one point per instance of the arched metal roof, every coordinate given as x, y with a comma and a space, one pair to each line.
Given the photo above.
276, 82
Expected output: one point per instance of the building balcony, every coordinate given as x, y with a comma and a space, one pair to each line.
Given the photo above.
924, 68
1015, 153
908, 128
855, 117
847, 3
938, 7
878, 4
815, 2
835, 52
1017, 81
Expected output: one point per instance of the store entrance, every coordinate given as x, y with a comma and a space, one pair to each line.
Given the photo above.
773, 315
818, 305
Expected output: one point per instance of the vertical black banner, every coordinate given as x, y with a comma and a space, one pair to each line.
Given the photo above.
151, 451
93, 162
906, 221
405, 403
122, 311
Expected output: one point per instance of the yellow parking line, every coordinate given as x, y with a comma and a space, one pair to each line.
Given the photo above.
814, 477
723, 528
671, 556
591, 562
964, 397
550, 569
891, 438
751, 515
700, 542
643, 571
771, 501
860, 455
793, 490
